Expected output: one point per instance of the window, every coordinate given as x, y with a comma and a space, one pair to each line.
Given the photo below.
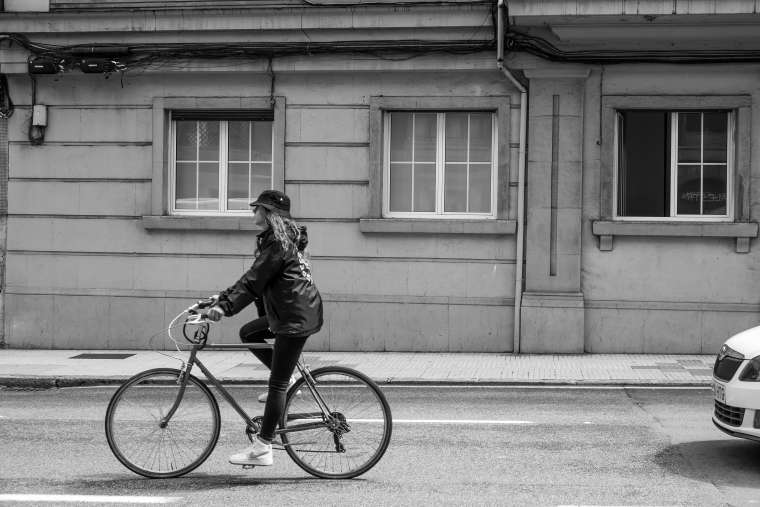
219, 163
440, 164
674, 164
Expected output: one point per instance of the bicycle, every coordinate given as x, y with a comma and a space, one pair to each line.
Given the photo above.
165, 422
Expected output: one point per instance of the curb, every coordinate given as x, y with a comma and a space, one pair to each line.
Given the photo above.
56, 382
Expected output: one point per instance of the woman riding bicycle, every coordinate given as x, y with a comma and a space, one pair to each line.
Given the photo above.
281, 279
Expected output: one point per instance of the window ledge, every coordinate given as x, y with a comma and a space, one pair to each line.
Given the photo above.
207, 223
742, 231
436, 226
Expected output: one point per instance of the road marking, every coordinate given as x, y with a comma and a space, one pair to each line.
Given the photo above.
88, 499
446, 421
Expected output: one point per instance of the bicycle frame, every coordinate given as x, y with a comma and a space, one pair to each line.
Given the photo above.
193, 360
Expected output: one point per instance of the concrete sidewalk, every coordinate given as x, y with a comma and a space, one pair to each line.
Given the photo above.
60, 368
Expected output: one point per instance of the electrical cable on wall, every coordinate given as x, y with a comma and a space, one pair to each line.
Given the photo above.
538, 46
6, 104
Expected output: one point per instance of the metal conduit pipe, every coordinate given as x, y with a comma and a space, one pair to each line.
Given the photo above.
520, 172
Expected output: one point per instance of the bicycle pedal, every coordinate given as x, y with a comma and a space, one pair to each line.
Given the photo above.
249, 467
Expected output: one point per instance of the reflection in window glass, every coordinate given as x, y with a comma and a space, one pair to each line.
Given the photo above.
186, 187
455, 197
208, 141
715, 137
187, 140
456, 137
689, 190
480, 188
401, 187
714, 190
237, 186
689, 137
424, 187
480, 137
424, 137
239, 145
401, 137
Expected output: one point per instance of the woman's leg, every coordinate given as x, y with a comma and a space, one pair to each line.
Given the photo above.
257, 331
287, 350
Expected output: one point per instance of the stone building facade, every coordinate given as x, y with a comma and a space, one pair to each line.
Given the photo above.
582, 184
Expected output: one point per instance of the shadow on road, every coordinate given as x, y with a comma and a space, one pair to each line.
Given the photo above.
729, 462
191, 482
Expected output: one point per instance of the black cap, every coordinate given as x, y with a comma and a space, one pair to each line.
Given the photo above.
275, 201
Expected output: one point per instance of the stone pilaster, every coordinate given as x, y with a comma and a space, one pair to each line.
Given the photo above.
552, 318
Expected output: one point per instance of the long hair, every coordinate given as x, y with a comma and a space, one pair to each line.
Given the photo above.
285, 230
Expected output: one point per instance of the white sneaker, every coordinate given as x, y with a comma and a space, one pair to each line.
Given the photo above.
259, 454
263, 396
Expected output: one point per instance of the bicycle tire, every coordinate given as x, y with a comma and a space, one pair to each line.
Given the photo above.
130, 432
365, 409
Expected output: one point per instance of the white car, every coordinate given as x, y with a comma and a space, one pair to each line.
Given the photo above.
736, 385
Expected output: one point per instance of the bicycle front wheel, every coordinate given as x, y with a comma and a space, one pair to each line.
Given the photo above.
348, 441
146, 443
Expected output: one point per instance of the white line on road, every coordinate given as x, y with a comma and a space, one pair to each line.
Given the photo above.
88, 499
445, 421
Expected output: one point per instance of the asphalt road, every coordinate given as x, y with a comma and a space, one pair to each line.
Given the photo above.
506, 446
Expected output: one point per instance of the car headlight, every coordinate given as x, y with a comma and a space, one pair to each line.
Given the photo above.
751, 372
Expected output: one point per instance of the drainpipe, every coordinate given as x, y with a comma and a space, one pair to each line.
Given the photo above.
502, 7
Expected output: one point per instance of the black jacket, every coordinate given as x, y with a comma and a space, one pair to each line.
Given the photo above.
283, 281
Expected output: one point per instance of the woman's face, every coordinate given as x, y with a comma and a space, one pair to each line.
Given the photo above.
260, 217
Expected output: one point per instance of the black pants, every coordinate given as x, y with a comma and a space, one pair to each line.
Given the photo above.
281, 362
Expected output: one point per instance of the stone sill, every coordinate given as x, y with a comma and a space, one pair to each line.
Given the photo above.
207, 223
435, 226
741, 231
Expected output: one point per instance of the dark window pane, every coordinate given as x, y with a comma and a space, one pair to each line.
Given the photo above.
716, 136
425, 133
480, 188
456, 137
715, 187
455, 188
238, 148
208, 141
185, 186
262, 141
643, 164
689, 137
401, 187
689, 190
186, 140
208, 186
424, 187
480, 137
237, 186
401, 137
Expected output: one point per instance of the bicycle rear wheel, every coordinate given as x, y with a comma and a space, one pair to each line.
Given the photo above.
135, 433
359, 431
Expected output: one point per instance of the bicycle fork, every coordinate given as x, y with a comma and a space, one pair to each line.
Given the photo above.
182, 381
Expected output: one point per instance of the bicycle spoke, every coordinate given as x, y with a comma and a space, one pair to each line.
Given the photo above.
142, 445
352, 402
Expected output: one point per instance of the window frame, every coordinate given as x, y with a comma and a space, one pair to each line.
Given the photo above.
223, 173
740, 105
507, 152
161, 216
440, 167
742, 229
731, 149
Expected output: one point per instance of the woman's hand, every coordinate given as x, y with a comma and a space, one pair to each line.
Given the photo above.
215, 313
